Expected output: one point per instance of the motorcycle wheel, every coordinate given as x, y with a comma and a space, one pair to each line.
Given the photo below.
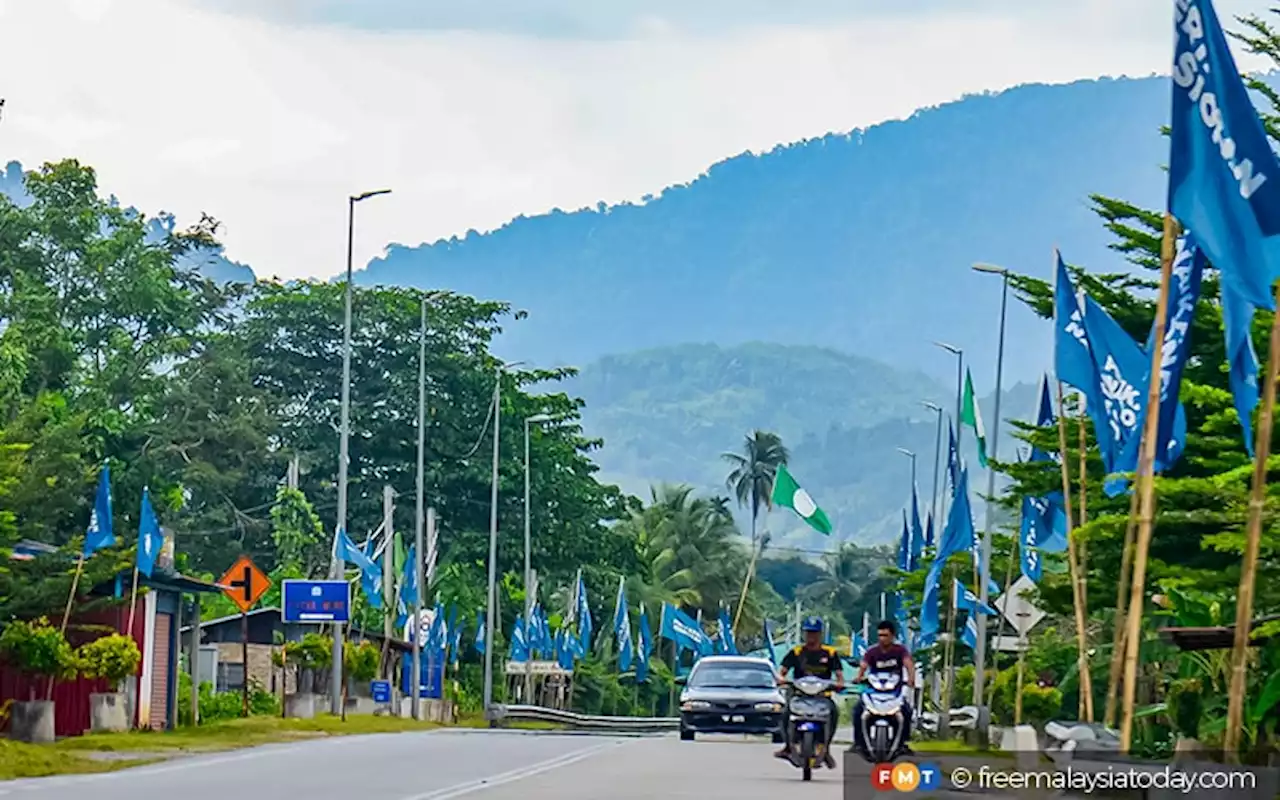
807, 752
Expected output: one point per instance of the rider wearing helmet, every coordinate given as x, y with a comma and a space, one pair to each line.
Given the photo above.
886, 657
821, 661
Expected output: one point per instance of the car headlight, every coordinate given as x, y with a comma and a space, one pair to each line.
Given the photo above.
695, 705
768, 707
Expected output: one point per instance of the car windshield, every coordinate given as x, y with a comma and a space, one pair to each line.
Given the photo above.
732, 676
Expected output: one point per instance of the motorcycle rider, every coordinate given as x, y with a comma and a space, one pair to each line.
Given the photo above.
887, 657
821, 661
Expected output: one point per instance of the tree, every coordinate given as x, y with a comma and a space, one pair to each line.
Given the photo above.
752, 474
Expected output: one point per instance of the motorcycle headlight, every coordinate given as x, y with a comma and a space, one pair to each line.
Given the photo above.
768, 707
695, 705
808, 705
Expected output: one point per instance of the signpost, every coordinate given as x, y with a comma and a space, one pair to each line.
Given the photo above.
315, 601
381, 691
244, 584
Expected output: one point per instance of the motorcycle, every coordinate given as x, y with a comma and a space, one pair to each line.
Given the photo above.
882, 718
809, 712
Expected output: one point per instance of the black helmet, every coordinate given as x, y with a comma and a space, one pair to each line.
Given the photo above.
812, 624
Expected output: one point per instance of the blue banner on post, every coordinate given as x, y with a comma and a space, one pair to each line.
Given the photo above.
315, 601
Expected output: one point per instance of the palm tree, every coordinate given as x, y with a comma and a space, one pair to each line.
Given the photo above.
752, 473
847, 575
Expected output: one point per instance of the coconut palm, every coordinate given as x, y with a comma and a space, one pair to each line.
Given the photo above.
752, 473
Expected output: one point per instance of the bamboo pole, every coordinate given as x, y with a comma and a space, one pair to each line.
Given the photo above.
746, 584
1084, 494
1077, 584
948, 655
133, 601
1146, 489
1008, 581
1118, 626
71, 596
1249, 567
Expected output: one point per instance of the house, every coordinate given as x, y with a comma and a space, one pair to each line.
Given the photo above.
266, 632
156, 620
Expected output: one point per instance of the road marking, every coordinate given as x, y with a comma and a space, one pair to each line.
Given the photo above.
458, 790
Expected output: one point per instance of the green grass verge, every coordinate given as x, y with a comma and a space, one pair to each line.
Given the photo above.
19, 760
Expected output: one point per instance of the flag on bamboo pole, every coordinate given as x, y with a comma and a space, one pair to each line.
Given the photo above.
150, 537
971, 415
622, 627
645, 647
787, 493
100, 533
917, 530
957, 537
904, 545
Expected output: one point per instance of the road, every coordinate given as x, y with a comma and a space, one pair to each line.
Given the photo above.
485, 765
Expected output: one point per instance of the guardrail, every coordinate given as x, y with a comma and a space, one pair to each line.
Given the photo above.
570, 719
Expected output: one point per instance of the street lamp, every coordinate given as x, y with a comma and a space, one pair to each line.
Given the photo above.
911, 456
536, 419
984, 579
944, 715
344, 445
490, 622
937, 458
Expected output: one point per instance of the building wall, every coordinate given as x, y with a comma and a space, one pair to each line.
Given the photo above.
261, 669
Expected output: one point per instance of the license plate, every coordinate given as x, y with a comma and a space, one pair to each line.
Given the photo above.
733, 718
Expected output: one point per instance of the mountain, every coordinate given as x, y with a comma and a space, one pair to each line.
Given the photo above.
667, 414
859, 241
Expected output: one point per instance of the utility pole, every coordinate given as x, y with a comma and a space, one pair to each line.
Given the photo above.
416, 702
490, 622
388, 565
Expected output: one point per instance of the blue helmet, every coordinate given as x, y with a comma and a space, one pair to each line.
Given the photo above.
812, 624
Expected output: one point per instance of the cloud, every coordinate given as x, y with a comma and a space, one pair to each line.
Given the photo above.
269, 125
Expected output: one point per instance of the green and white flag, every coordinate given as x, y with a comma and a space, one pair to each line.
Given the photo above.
971, 415
786, 492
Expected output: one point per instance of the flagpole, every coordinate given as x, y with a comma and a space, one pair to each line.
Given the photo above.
133, 601
1119, 624
751, 568
1248, 570
1077, 583
948, 662
1146, 508
75, 583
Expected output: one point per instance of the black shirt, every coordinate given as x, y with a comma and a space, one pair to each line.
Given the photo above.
889, 660
822, 662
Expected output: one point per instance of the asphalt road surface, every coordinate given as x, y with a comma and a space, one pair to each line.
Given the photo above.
485, 765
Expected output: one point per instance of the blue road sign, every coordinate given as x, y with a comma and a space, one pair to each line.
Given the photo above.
381, 691
431, 681
316, 601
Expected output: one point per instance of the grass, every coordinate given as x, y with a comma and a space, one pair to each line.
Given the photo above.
18, 760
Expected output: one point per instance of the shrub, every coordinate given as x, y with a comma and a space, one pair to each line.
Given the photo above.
361, 661
1040, 704
38, 649
112, 658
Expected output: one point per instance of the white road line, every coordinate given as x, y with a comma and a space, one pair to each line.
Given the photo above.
501, 779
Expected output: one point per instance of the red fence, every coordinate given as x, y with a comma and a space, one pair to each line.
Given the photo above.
71, 698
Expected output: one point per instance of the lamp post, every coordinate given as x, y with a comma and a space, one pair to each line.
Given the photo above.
937, 459
536, 419
984, 579
344, 445
911, 456
490, 621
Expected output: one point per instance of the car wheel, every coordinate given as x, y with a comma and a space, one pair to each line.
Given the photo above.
686, 736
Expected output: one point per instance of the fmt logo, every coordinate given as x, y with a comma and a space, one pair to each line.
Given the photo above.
905, 777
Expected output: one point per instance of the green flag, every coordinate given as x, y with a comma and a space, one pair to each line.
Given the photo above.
398, 555
971, 415
786, 492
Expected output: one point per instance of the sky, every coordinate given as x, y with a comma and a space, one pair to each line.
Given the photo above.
268, 114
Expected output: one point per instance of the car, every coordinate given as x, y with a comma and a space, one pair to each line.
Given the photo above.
731, 694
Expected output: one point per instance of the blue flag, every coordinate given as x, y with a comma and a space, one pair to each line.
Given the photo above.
957, 537
482, 622
1188, 267
519, 649
455, 643
1073, 360
953, 458
685, 631
727, 642
408, 586
904, 545
150, 538
370, 572
100, 533
645, 647
917, 530
622, 628
1044, 418
768, 644
1222, 171
1237, 322
1029, 536
583, 612
928, 532
970, 633
968, 601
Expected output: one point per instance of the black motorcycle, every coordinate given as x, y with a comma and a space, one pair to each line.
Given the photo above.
809, 711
